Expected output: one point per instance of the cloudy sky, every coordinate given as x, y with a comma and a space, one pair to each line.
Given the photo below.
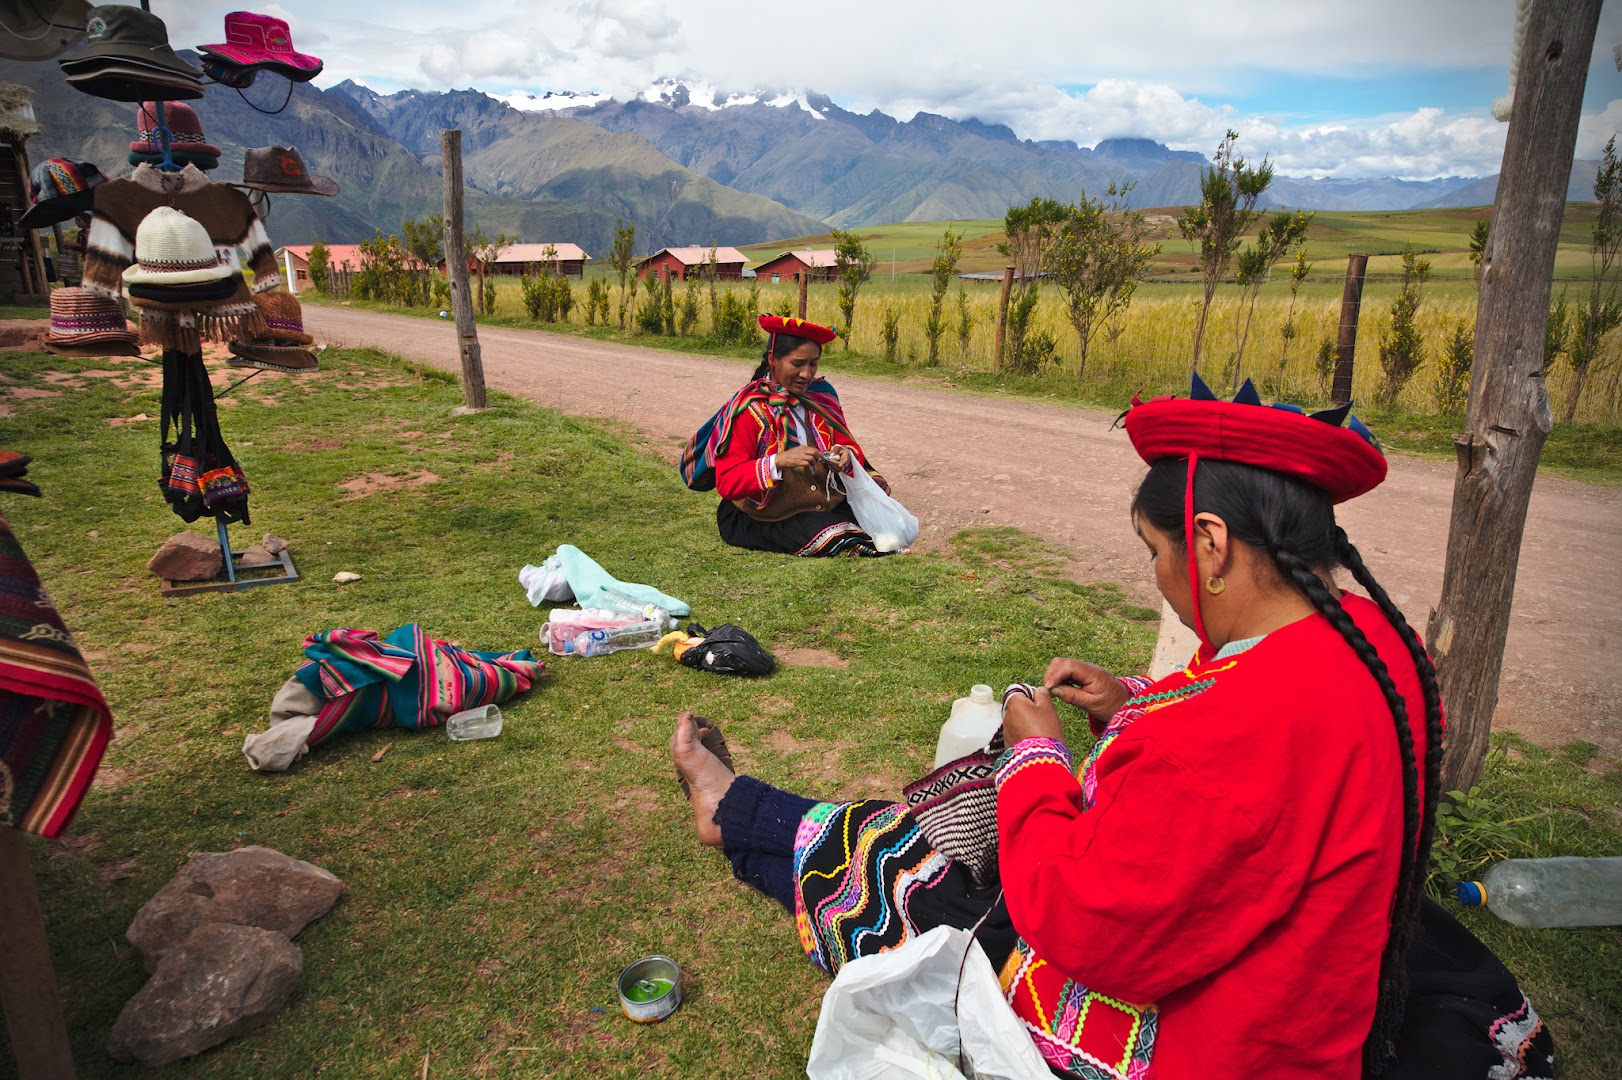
1375, 88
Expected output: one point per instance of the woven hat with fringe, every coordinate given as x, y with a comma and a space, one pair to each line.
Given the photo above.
173, 249
285, 317
1344, 462
185, 130
84, 323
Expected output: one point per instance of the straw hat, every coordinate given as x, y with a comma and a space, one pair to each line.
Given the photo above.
84, 323
185, 130
173, 249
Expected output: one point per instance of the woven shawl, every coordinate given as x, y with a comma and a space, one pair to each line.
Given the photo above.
54, 723
770, 402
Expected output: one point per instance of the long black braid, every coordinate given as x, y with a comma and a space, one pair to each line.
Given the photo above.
1294, 523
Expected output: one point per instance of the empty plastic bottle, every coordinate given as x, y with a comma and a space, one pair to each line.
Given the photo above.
1566, 891
641, 635
483, 722
974, 720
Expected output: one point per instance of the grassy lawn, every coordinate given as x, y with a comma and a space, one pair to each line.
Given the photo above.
496, 888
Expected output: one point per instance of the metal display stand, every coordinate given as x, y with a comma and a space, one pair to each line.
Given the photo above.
232, 582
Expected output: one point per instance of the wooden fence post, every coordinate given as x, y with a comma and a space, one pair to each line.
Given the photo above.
1509, 415
803, 276
467, 331
1351, 299
1002, 313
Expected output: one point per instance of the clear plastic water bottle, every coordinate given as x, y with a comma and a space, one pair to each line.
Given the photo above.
642, 635
1566, 891
483, 722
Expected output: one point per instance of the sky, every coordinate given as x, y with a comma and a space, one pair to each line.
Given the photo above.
1375, 88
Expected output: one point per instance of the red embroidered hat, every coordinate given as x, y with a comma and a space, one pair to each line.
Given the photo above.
185, 129
261, 39
1344, 461
779, 324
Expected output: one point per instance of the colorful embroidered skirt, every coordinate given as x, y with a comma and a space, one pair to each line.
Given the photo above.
54, 723
813, 534
868, 880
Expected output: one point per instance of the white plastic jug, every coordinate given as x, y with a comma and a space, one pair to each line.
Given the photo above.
974, 720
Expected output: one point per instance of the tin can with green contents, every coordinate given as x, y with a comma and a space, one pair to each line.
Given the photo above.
650, 989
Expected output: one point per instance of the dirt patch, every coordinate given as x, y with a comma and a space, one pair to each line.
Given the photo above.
812, 658
315, 444
120, 421
116, 869
22, 334
372, 483
23, 393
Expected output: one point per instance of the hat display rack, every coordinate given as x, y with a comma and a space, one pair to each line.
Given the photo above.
236, 64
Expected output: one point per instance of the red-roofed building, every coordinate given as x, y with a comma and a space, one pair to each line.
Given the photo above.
531, 259
295, 260
679, 262
820, 265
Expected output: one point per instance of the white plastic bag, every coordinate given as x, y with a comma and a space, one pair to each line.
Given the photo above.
890, 524
891, 1017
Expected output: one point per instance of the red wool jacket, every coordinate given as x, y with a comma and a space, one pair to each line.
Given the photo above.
743, 472
1237, 866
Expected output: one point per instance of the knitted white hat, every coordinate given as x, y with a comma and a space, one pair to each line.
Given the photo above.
173, 249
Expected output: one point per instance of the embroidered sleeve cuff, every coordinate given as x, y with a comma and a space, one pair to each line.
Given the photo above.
1136, 684
1029, 752
766, 474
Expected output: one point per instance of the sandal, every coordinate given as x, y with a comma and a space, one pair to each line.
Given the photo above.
710, 737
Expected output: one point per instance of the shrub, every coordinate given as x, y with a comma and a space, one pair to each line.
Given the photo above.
892, 332
489, 297
734, 323
1324, 364
1453, 369
650, 314
1402, 350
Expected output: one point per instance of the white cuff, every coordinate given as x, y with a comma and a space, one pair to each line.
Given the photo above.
771, 463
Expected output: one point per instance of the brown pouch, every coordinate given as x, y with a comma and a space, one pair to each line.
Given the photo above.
798, 491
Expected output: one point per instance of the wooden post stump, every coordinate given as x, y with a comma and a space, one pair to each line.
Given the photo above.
1002, 313
467, 331
804, 277
1351, 300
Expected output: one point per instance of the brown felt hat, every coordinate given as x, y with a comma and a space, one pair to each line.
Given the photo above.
289, 358
285, 317
281, 168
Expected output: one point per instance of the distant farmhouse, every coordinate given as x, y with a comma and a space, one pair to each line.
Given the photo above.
676, 263
295, 261
532, 260
820, 265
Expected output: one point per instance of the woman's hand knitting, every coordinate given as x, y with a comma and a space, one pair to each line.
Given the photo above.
1031, 718
796, 457
1086, 686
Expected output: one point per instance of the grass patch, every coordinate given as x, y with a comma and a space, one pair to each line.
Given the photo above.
495, 887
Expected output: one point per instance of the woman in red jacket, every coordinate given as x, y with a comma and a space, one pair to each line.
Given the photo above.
775, 446
1228, 884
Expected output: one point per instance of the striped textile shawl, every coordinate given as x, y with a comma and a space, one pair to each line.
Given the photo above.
770, 403
407, 679
54, 723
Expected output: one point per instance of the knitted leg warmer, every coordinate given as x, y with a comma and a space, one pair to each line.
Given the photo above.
758, 823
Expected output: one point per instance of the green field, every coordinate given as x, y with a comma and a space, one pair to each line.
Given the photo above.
495, 888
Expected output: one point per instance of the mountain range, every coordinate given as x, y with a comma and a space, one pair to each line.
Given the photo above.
682, 163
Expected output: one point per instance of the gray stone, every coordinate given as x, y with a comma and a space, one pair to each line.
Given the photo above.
274, 544
223, 981
187, 556
251, 886
258, 555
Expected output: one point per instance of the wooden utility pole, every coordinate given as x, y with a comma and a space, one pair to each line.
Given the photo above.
1509, 415
467, 331
1351, 299
39, 1034
1002, 312
803, 275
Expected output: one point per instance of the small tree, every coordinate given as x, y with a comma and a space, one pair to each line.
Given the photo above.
425, 240
947, 254
1284, 233
1453, 369
710, 273
485, 251
1556, 333
667, 306
319, 267
855, 267
1478, 249
1289, 331
1027, 231
890, 322
1324, 364
1603, 311
965, 321
597, 301
622, 259
1096, 259
1228, 193
1402, 349
687, 317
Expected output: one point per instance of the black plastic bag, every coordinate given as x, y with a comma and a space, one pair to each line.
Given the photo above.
727, 650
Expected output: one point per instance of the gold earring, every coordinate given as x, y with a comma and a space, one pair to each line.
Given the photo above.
1214, 585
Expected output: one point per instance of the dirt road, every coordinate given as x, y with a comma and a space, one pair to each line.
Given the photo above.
1058, 472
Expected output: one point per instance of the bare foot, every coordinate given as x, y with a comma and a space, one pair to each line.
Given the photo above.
706, 776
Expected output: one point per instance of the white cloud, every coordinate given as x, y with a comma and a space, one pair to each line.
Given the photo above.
1164, 69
